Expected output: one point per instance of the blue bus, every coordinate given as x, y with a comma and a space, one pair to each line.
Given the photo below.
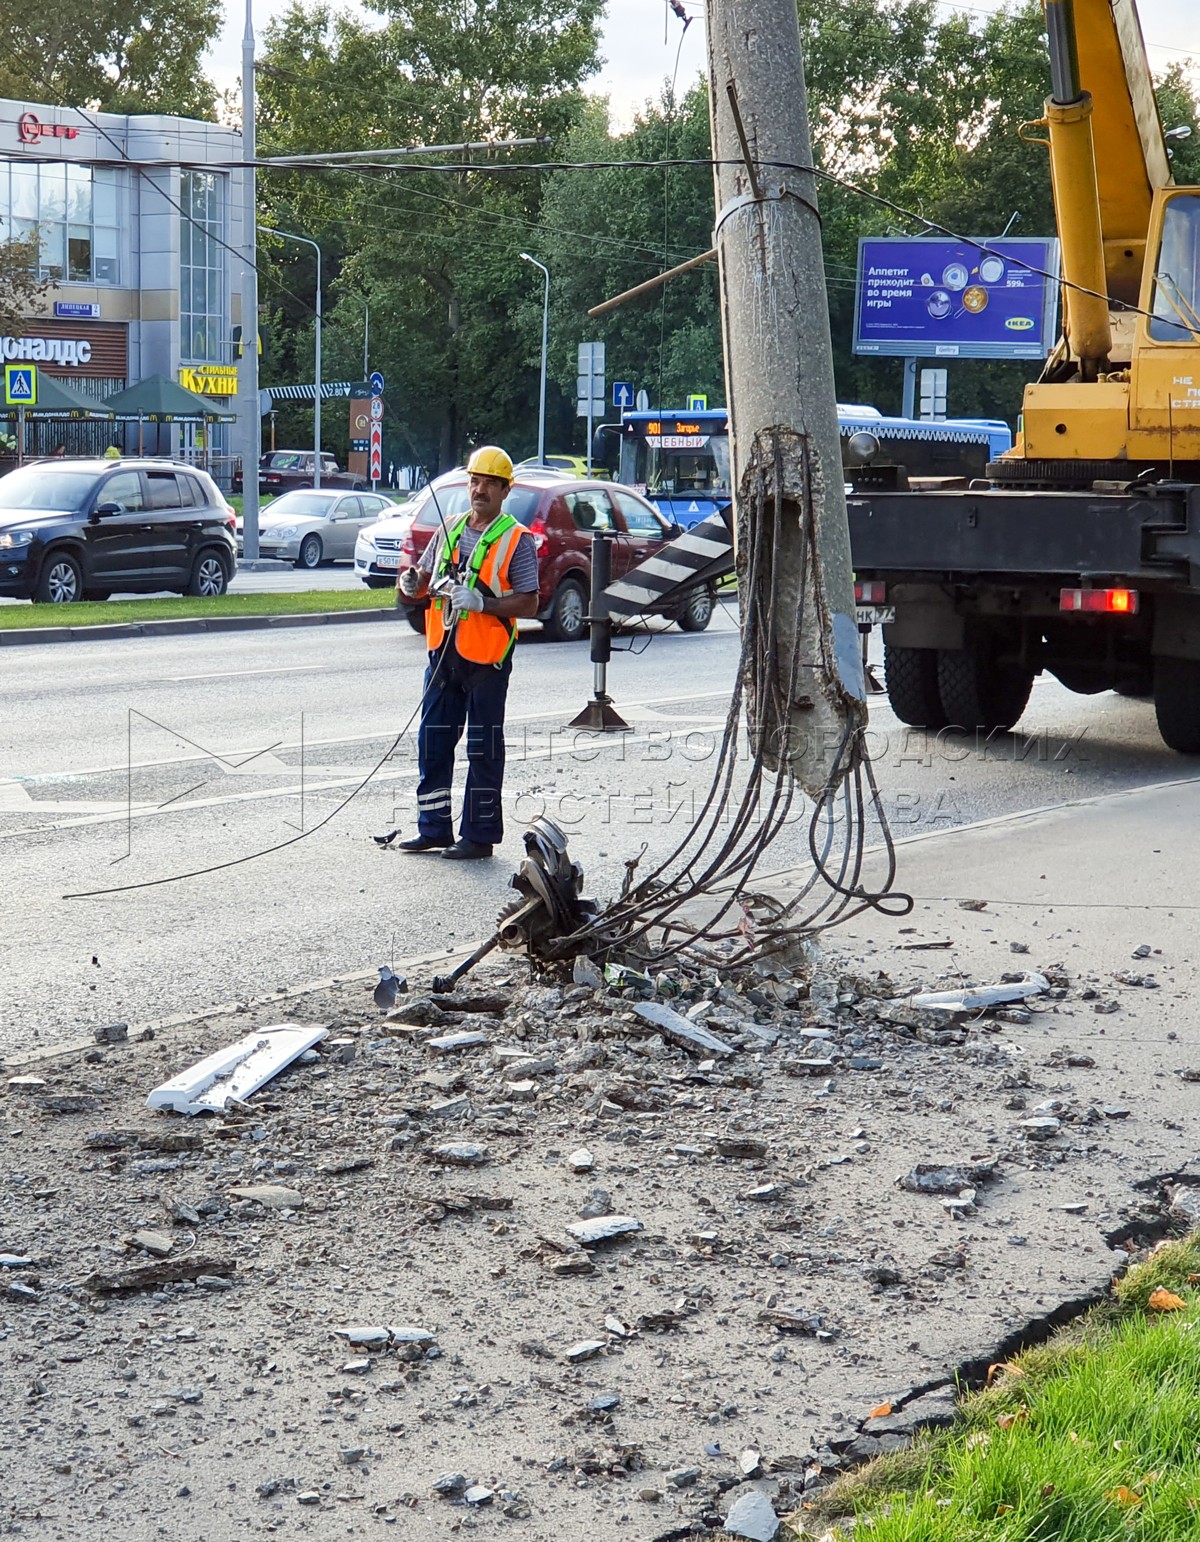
680, 460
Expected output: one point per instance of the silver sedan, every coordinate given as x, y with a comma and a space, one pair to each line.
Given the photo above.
311, 527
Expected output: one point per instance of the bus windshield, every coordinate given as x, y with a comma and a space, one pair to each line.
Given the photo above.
676, 472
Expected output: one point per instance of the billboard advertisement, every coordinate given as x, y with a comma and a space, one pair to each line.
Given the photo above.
935, 297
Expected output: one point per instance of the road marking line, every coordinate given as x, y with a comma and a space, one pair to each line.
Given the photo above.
237, 674
616, 742
292, 744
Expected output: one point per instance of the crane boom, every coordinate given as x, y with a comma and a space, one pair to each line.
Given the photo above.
1131, 155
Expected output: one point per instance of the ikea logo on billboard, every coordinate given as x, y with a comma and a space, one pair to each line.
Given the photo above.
1019, 323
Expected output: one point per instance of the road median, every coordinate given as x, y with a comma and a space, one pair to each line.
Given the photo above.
108, 619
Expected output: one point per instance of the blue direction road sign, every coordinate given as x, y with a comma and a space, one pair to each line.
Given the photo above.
376, 383
20, 385
622, 393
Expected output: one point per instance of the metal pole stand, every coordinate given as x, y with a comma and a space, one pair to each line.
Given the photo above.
600, 715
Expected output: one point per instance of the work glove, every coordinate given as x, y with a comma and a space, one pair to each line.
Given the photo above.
462, 598
410, 582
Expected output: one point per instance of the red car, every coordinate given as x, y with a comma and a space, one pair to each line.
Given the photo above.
287, 471
560, 516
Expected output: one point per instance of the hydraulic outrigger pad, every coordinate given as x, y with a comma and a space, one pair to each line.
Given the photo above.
547, 910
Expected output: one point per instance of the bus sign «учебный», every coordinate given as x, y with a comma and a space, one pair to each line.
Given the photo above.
940, 297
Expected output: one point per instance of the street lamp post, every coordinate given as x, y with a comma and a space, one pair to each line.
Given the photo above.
248, 372
289, 235
541, 450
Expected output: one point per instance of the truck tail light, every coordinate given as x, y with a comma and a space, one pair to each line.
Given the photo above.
873, 593
1109, 602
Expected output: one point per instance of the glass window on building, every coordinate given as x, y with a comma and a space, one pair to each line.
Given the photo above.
74, 211
203, 326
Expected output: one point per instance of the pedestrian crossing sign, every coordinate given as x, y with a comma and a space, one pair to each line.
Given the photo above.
20, 385
697, 403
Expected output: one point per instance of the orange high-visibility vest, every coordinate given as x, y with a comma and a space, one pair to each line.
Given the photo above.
479, 638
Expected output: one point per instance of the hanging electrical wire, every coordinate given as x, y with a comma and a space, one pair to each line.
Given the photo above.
702, 895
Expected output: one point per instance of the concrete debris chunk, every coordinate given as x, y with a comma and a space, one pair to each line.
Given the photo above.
676, 1027
586, 1349
167, 1271
364, 1337
581, 1161
683, 1477
1040, 1129
808, 1066
479, 1494
790, 1321
750, 1461
450, 1484
742, 1149
975, 998
235, 1073
450, 1043
156, 1243
461, 1154
1184, 1201
603, 1229
15, 1261
584, 972
271, 1196
753, 1517
112, 1033
933, 1178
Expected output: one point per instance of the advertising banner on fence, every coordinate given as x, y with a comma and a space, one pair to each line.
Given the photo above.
933, 297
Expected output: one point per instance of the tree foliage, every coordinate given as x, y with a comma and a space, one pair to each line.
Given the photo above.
110, 55
915, 116
435, 254
20, 286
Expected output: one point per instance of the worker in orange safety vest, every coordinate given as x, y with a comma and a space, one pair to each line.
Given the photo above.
480, 573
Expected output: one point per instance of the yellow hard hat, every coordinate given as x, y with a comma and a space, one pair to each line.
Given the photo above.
489, 460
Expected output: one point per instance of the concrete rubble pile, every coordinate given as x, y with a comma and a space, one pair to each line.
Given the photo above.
637, 1227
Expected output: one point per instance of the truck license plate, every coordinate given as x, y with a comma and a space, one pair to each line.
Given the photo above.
867, 615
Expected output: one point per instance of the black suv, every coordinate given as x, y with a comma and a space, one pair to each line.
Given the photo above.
82, 529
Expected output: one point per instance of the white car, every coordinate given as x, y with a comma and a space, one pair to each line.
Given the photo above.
309, 527
377, 552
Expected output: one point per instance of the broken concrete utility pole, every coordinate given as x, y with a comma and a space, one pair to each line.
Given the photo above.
806, 696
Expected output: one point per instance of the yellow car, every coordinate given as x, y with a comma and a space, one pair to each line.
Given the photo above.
565, 465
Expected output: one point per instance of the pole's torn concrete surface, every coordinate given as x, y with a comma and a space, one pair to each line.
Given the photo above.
806, 695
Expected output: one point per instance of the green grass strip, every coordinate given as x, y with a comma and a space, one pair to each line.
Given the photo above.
1093, 1437
109, 612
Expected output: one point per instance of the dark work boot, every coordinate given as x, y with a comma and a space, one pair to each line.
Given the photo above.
423, 843
466, 851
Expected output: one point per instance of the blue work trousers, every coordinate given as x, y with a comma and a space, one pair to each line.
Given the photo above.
462, 694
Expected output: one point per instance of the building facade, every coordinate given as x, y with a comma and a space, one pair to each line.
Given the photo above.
137, 221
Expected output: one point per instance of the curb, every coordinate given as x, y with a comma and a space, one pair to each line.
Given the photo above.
44, 1054
27, 636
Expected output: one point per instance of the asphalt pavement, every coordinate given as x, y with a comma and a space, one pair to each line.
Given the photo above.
127, 766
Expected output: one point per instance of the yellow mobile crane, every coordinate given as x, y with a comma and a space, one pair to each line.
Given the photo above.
1080, 554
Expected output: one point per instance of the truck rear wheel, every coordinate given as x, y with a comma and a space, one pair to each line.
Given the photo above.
978, 694
1177, 703
912, 686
